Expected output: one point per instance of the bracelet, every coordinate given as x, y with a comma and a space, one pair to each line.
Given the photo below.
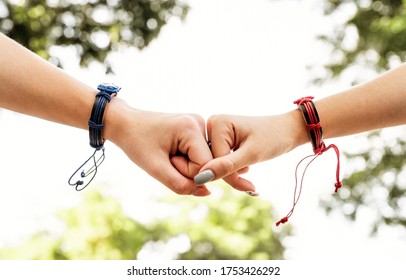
313, 126
96, 141
312, 121
96, 120
106, 92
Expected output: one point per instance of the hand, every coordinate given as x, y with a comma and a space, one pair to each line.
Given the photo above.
170, 147
239, 141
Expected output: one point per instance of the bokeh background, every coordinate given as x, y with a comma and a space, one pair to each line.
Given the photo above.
207, 57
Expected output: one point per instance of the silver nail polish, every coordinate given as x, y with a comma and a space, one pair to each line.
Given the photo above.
251, 193
204, 177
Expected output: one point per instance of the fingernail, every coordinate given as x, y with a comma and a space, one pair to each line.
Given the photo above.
204, 177
251, 193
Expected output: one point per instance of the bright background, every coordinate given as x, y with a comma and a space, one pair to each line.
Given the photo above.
227, 57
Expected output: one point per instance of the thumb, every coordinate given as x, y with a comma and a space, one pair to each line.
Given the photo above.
227, 167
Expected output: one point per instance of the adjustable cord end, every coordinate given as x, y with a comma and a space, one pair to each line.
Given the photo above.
337, 186
282, 221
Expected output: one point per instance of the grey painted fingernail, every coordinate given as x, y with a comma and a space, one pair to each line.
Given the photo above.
251, 193
204, 177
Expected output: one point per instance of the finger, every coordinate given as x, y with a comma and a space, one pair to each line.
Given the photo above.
168, 175
196, 150
239, 183
201, 191
223, 141
185, 166
194, 145
226, 165
243, 170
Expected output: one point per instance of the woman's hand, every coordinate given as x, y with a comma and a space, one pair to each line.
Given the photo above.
239, 141
170, 147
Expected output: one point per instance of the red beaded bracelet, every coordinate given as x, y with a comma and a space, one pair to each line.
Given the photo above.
313, 126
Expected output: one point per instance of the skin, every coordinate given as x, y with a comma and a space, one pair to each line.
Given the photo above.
376, 104
170, 147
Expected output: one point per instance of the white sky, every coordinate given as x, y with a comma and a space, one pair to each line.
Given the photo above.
229, 57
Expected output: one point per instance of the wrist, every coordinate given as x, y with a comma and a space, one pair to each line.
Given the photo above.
298, 129
115, 120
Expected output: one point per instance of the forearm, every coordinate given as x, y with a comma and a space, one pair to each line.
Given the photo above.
32, 86
376, 104
157, 142
373, 105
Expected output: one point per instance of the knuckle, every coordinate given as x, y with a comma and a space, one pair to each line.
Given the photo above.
216, 119
181, 187
227, 166
188, 121
217, 123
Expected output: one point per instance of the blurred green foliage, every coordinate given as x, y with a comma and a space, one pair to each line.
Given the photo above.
234, 226
379, 44
378, 183
99, 228
376, 28
94, 27
237, 227
230, 226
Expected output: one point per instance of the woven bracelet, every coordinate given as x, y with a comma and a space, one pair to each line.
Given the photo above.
96, 120
96, 141
312, 121
313, 126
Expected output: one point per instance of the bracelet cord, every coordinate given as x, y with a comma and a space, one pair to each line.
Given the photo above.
96, 141
313, 126
96, 120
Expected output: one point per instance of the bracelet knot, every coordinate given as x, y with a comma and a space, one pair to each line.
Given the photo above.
282, 221
302, 100
338, 185
105, 95
94, 125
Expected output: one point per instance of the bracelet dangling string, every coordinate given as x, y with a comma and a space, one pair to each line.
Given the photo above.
94, 163
96, 141
315, 131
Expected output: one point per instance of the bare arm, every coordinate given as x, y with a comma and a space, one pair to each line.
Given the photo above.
157, 142
32, 86
377, 104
